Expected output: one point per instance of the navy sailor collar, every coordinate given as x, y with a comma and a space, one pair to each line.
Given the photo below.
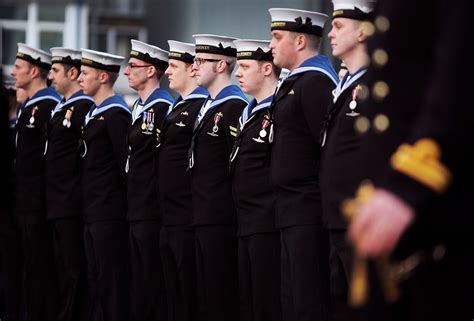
111, 102
198, 93
42, 94
252, 108
228, 93
79, 95
157, 96
347, 81
317, 63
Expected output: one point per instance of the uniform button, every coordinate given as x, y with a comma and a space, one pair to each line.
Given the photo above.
380, 57
362, 125
382, 23
380, 90
381, 123
368, 28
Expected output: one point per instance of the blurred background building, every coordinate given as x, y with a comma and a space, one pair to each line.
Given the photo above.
108, 25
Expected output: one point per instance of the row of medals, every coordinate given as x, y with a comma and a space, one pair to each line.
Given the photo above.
66, 121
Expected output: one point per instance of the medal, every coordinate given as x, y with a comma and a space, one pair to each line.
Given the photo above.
217, 117
143, 121
150, 118
215, 128
353, 103
32, 118
265, 123
67, 118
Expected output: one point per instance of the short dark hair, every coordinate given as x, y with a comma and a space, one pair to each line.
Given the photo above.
159, 73
113, 76
313, 40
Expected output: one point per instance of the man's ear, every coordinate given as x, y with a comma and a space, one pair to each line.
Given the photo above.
151, 71
34, 72
103, 77
73, 73
267, 68
301, 42
221, 66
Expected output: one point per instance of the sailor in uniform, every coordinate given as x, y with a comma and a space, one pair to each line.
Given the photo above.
298, 111
40, 285
63, 181
103, 184
259, 239
214, 216
340, 171
177, 244
145, 69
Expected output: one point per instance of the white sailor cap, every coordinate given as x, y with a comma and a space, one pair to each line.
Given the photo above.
181, 51
253, 49
149, 53
34, 56
298, 20
101, 60
213, 44
66, 56
353, 9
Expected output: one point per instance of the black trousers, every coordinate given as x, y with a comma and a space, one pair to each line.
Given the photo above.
305, 273
147, 286
259, 277
71, 268
39, 275
11, 267
178, 254
105, 244
340, 265
217, 276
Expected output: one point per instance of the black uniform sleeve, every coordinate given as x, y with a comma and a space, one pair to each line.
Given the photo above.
118, 122
316, 96
446, 115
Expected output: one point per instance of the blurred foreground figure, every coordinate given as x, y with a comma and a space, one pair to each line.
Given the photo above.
419, 157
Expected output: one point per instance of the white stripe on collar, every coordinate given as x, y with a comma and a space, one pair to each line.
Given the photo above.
139, 109
33, 101
340, 89
214, 104
61, 105
102, 109
243, 118
310, 68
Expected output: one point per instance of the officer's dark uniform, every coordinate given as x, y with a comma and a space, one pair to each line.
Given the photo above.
259, 240
340, 171
64, 201
147, 289
213, 207
425, 109
177, 243
105, 207
10, 246
40, 284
